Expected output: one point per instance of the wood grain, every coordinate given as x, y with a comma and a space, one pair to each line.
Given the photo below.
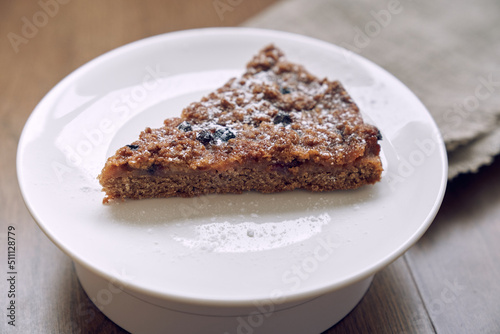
457, 263
392, 305
447, 283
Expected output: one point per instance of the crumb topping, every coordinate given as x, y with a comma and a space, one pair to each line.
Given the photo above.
276, 111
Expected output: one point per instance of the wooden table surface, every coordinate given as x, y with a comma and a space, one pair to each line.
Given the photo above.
447, 283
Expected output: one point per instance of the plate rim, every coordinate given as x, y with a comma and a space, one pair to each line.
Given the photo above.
296, 296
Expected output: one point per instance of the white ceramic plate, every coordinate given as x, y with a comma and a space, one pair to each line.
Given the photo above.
223, 250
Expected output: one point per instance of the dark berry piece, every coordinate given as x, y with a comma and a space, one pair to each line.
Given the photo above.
285, 90
185, 126
133, 147
204, 137
152, 169
283, 118
379, 135
340, 131
224, 134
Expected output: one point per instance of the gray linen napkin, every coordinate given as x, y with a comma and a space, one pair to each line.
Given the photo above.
446, 52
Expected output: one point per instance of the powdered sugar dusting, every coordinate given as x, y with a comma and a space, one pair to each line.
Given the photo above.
227, 237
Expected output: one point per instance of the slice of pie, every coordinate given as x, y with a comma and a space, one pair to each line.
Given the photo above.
275, 128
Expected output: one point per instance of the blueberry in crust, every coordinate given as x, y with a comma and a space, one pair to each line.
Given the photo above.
275, 128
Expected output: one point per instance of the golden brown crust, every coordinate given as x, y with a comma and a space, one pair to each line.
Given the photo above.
276, 114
